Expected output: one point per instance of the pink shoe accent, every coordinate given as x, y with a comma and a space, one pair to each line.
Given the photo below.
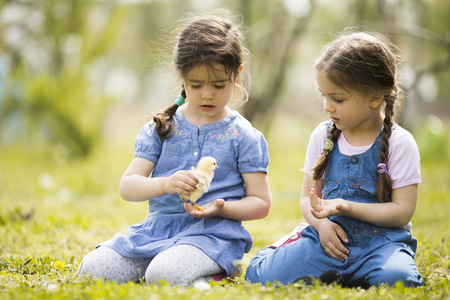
218, 277
291, 237
221, 276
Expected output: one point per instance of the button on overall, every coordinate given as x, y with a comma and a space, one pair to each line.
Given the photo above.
354, 160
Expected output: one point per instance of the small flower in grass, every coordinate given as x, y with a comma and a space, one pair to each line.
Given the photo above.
59, 265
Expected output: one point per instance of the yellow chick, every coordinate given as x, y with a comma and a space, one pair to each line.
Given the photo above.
204, 172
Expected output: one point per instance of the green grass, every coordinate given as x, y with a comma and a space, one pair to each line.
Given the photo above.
54, 213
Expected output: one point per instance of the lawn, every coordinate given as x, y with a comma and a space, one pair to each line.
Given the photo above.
54, 211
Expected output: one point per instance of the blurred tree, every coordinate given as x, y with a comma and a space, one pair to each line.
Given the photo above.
429, 56
62, 58
56, 53
421, 30
275, 30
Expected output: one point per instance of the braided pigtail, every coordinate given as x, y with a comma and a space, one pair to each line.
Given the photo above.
366, 64
163, 119
384, 183
322, 161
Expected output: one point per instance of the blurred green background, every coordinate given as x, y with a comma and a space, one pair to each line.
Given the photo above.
78, 79
75, 74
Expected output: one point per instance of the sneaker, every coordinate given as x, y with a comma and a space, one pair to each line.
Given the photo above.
291, 237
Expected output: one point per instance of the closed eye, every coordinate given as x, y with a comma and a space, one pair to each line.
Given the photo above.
337, 100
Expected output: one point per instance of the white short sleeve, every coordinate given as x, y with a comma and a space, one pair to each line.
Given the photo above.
315, 146
404, 159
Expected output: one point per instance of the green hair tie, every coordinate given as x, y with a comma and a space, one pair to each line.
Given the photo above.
328, 146
180, 100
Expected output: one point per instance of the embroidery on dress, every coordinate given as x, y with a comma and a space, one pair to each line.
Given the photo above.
231, 133
176, 131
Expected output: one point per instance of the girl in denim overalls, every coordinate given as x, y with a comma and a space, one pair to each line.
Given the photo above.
361, 191
177, 243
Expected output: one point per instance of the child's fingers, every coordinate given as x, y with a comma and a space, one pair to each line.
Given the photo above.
315, 201
336, 253
190, 209
342, 235
337, 250
318, 214
188, 179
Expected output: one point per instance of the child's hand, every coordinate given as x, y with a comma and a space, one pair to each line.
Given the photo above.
210, 209
182, 182
332, 237
325, 208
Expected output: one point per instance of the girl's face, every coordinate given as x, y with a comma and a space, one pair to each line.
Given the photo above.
208, 91
352, 112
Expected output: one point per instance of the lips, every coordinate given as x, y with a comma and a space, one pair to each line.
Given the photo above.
208, 107
334, 120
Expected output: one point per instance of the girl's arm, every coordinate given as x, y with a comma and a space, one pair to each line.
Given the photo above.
135, 184
331, 235
396, 213
254, 206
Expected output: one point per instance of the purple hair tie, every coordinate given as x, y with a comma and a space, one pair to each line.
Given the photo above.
382, 168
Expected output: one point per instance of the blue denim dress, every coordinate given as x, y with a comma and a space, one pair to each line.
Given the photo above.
377, 254
238, 148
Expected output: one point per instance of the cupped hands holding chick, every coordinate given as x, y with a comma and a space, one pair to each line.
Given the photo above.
191, 185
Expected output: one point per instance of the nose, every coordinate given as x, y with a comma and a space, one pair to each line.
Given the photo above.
208, 93
327, 106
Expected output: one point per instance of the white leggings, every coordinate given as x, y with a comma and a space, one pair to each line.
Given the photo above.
181, 264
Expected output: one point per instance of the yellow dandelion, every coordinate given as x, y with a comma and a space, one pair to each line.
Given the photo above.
59, 265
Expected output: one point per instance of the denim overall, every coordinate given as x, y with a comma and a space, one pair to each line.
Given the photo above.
378, 255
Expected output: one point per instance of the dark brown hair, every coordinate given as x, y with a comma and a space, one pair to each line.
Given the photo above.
206, 41
368, 65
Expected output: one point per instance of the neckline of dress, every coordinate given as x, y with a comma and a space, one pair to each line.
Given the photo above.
181, 119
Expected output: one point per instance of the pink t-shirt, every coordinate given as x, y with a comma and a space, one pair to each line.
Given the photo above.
404, 160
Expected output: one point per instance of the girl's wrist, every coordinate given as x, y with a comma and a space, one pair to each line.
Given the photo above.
165, 185
317, 223
321, 222
222, 209
350, 208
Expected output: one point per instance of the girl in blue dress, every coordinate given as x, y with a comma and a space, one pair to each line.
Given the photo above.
361, 191
177, 243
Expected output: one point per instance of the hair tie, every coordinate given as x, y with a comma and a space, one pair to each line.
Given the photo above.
180, 100
328, 146
382, 168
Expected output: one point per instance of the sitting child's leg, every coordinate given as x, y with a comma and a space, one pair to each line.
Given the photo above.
392, 263
181, 264
285, 264
106, 263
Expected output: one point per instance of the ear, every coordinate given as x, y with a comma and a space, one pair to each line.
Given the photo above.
376, 101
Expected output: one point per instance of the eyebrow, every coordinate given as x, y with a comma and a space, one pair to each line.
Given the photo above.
215, 81
331, 94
